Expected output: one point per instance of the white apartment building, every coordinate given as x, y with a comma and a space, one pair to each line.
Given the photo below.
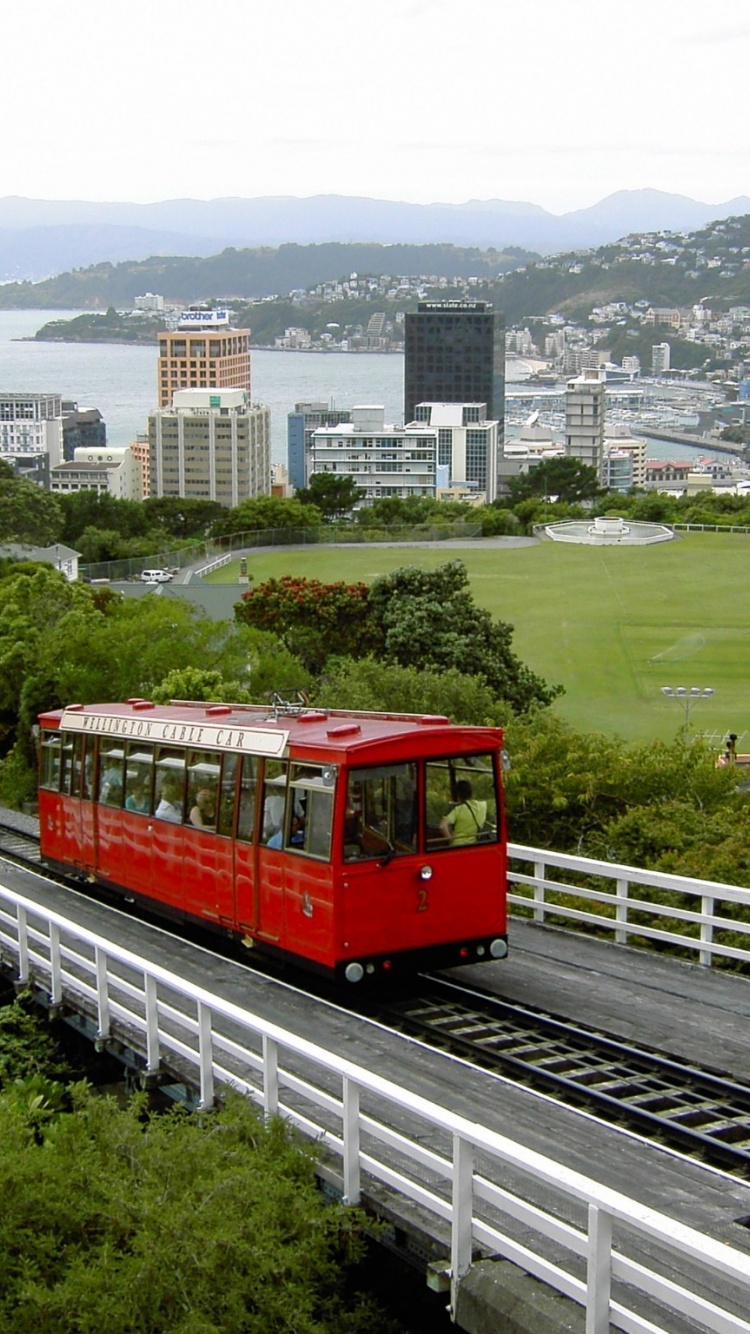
382, 460
660, 358
114, 472
211, 444
31, 424
624, 463
468, 446
584, 418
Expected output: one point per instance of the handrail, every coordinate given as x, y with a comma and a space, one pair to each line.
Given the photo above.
611, 909
361, 1119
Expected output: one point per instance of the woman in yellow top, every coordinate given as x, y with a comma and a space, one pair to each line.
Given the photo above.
464, 821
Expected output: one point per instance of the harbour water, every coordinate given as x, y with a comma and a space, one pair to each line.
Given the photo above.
121, 380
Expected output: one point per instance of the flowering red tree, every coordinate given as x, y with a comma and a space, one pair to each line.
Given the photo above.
313, 620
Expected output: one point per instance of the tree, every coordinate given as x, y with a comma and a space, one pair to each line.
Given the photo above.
312, 619
398, 511
368, 683
571, 790
90, 509
119, 1221
264, 513
181, 517
195, 683
333, 495
61, 643
27, 513
427, 619
562, 478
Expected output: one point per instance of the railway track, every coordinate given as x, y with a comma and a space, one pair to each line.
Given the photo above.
701, 1112
697, 1111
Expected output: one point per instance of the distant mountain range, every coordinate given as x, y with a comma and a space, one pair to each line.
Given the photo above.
40, 238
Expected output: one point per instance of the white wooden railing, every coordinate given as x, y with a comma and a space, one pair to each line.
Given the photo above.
613, 1256
624, 902
217, 564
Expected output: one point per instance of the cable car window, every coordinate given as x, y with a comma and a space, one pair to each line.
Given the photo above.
139, 769
89, 765
312, 788
203, 771
72, 763
461, 806
51, 753
111, 764
274, 802
381, 812
248, 786
169, 789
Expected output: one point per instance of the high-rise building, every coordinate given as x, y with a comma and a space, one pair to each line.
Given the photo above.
203, 352
82, 429
467, 446
210, 446
455, 353
584, 418
660, 358
31, 433
300, 425
383, 460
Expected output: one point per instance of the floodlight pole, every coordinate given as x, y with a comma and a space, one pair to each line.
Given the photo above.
687, 697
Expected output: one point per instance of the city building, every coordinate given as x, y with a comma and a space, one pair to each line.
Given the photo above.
660, 358
203, 352
82, 430
467, 448
31, 433
383, 460
584, 418
151, 301
455, 353
210, 445
623, 463
300, 425
140, 451
113, 472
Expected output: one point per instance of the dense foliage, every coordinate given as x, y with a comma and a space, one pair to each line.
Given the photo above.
62, 643
119, 1220
417, 618
312, 619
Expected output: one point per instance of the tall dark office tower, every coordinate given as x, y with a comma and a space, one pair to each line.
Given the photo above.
455, 353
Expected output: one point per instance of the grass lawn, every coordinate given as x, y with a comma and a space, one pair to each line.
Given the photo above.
611, 624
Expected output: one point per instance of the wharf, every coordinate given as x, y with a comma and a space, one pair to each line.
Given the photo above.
679, 1008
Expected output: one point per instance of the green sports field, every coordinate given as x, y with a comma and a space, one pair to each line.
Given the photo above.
611, 624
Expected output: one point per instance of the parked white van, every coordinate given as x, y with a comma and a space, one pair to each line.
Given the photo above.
156, 576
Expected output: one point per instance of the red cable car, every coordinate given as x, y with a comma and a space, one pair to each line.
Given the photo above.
357, 844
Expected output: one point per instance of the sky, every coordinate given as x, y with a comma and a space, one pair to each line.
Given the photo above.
553, 102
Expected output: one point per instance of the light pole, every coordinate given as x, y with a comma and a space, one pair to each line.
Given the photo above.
687, 697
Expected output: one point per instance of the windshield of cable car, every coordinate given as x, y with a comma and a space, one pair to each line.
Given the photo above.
459, 806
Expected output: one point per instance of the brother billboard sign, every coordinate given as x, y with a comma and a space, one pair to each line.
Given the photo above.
203, 319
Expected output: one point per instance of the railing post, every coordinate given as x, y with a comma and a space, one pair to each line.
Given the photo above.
206, 1055
23, 944
539, 871
270, 1077
54, 964
152, 1024
350, 1108
707, 931
621, 913
102, 992
598, 1271
462, 1200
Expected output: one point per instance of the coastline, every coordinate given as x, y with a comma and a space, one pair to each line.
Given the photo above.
254, 347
